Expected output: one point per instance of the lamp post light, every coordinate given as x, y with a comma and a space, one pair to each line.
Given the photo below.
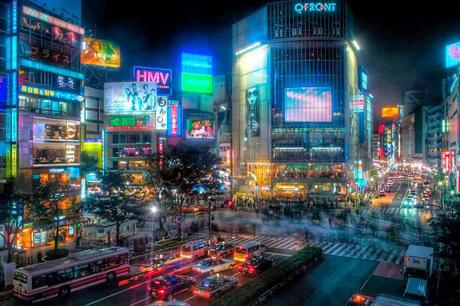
154, 211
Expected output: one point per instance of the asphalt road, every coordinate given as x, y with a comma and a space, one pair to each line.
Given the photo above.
136, 293
331, 283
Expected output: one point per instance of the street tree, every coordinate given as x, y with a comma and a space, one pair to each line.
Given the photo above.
178, 171
88, 164
11, 217
114, 203
54, 205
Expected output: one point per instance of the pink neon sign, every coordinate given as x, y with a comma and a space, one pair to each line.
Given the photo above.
161, 76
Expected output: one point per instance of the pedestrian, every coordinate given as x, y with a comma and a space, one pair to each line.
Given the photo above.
39, 256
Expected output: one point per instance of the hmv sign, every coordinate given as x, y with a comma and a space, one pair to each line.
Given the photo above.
163, 78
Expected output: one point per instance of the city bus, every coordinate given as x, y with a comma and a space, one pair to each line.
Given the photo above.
247, 250
62, 276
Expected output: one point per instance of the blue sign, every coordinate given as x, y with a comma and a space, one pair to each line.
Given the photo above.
40, 91
301, 8
3, 91
47, 68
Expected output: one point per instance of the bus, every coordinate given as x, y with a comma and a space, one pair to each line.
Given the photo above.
62, 276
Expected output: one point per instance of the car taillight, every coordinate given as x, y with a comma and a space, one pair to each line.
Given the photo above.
240, 268
247, 256
161, 291
251, 270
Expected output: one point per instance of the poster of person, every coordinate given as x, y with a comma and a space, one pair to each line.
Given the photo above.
200, 128
98, 52
129, 97
252, 111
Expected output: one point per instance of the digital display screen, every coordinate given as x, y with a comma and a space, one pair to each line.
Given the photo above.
99, 52
308, 104
200, 128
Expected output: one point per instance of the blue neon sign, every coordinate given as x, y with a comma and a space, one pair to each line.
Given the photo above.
40, 91
14, 13
36, 65
328, 7
14, 124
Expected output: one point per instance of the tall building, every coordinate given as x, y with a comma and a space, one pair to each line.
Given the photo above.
295, 74
42, 109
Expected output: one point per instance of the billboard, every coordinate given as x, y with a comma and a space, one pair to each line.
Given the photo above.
129, 97
453, 55
99, 52
174, 119
252, 111
196, 73
390, 112
200, 128
131, 123
358, 103
163, 78
308, 104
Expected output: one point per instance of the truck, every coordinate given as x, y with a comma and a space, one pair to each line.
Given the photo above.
417, 289
389, 300
418, 262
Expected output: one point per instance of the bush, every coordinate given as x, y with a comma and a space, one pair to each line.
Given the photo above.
56, 254
277, 275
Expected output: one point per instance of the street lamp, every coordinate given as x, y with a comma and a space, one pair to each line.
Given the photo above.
154, 211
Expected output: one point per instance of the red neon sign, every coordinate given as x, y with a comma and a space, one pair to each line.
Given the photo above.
174, 123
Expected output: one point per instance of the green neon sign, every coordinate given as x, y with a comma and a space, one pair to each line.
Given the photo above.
195, 82
130, 123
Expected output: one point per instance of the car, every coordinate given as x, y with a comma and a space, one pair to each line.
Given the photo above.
213, 265
255, 265
215, 285
221, 249
360, 300
166, 286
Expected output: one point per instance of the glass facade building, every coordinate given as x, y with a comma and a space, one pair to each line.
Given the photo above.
295, 74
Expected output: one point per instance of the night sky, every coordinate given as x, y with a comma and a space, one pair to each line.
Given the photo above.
402, 44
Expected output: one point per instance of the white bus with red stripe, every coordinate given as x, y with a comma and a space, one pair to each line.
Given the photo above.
62, 276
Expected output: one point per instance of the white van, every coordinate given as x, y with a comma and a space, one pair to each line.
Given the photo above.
417, 289
248, 249
194, 250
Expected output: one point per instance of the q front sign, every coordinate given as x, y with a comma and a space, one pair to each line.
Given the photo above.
314, 7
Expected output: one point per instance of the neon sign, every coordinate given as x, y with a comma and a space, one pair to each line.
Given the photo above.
452, 55
140, 123
53, 20
149, 74
50, 93
14, 160
315, 7
358, 103
174, 120
39, 66
70, 153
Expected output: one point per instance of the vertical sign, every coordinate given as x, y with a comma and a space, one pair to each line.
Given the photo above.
161, 110
252, 113
14, 160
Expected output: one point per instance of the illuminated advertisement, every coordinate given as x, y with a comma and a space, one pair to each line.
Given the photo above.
252, 111
55, 130
315, 7
358, 103
196, 73
390, 112
308, 104
35, 90
174, 119
163, 78
56, 33
52, 20
129, 97
3, 91
48, 55
99, 52
388, 142
39, 66
131, 123
199, 129
161, 113
452, 55
448, 161
44, 154
66, 83
94, 149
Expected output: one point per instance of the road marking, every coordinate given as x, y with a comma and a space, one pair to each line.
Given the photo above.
140, 301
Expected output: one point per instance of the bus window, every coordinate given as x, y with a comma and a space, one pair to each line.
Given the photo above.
39, 281
81, 270
65, 275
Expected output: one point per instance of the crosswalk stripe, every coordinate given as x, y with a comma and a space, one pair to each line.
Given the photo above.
339, 250
363, 251
376, 255
327, 249
285, 244
333, 248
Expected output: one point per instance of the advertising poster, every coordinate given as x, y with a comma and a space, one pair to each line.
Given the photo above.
161, 112
129, 97
99, 52
252, 111
200, 129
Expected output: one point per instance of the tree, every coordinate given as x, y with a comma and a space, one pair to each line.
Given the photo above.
11, 216
88, 164
446, 228
179, 170
54, 205
114, 203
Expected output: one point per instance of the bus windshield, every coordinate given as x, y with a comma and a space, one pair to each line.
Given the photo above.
20, 277
186, 248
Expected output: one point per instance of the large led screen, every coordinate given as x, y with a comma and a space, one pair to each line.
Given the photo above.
308, 104
99, 52
129, 97
200, 128
453, 55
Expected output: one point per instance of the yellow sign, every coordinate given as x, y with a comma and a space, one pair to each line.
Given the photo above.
14, 160
390, 112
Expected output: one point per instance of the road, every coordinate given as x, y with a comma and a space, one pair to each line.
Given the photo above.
331, 283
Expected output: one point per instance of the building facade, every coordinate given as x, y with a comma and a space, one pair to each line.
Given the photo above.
295, 74
42, 110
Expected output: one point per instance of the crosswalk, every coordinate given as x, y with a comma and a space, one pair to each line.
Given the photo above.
398, 211
366, 252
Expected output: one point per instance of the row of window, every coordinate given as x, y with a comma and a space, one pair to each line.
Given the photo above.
82, 270
118, 138
49, 107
